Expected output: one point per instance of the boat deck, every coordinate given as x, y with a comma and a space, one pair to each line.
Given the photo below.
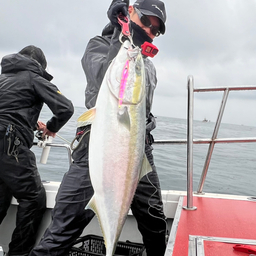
213, 228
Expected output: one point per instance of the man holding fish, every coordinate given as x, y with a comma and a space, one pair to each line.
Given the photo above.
100, 62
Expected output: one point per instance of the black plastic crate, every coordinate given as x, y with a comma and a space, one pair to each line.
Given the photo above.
92, 245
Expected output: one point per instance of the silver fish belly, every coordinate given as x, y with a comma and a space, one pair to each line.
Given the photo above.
117, 141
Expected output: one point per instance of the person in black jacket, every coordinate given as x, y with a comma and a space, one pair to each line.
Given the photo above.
24, 87
69, 215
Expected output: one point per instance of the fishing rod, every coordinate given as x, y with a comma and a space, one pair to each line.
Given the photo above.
39, 136
63, 139
46, 149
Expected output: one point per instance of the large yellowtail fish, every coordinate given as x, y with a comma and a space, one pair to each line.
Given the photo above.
117, 142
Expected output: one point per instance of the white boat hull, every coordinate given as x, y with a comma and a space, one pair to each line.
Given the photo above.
130, 231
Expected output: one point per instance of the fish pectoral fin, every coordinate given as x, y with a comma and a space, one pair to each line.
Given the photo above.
124, 117
86, 118
146, 167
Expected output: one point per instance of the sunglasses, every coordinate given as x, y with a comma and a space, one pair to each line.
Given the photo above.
147, 23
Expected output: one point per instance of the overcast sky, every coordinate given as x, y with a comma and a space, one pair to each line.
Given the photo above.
215, 41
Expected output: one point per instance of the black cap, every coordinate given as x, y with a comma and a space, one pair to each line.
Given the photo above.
35, 53
153, 8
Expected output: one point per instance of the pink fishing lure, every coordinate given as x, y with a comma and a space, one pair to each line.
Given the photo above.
123, 83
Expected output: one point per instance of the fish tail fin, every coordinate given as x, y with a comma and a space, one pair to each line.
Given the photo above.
86, 118
110, 251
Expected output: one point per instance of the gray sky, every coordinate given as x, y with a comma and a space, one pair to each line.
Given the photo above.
215, 41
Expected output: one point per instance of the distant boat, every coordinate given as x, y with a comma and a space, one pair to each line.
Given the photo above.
206, 120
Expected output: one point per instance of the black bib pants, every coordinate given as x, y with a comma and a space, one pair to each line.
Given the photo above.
19, 177
70, 217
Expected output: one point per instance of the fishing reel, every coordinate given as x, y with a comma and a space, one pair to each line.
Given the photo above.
39, 135
42, 143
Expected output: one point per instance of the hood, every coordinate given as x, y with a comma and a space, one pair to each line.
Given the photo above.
18, 62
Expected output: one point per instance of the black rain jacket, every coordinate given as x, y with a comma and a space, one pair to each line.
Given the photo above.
24, 87
99, 53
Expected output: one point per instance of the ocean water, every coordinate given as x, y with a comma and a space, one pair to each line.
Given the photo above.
232, 168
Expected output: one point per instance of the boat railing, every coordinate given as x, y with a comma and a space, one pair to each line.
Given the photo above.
212, 141
66, 146
190, 140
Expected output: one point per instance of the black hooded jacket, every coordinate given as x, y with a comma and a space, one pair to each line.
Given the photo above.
99, 53
24, 87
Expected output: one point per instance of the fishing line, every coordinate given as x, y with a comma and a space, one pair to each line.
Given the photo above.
157, 208
73, 141
63, 138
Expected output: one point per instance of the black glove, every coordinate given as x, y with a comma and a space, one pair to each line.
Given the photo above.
117, 7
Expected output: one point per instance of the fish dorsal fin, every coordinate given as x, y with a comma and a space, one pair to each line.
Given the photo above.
124, 117
86, 118
146, 167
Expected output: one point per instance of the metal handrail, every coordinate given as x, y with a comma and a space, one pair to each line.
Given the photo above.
223, 88
190, 140
207, 141
60, 146
211, 141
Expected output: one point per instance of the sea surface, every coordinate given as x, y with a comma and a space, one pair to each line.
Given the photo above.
232, 169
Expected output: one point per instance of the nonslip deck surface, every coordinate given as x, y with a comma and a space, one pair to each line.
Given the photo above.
218, 218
